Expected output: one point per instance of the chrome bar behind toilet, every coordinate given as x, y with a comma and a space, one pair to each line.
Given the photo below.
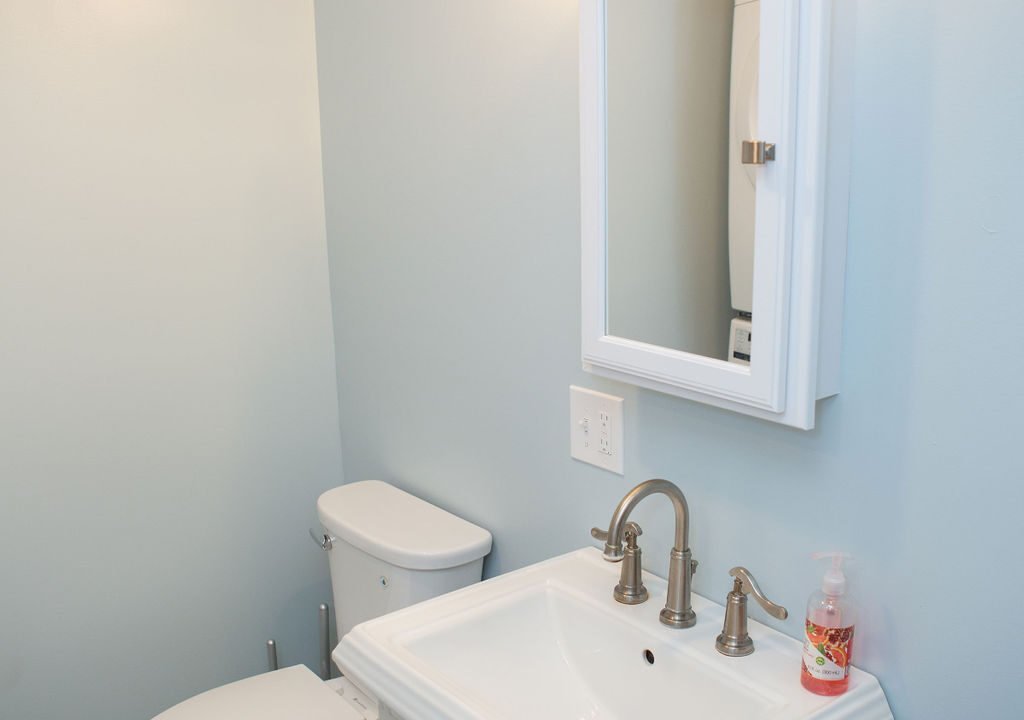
271, 655
325, 641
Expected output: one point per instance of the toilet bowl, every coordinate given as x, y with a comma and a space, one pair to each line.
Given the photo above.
293, 692
387, 550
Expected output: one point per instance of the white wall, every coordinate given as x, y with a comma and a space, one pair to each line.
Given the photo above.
668, 160
167, 397
450, 151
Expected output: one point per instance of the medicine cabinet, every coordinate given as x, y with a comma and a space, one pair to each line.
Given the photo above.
714, 177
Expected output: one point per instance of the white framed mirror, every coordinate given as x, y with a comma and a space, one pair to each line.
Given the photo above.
714, 166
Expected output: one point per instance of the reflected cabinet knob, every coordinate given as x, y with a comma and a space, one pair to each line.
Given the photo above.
757, 152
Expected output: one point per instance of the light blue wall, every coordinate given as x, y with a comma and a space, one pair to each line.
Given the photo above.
450, 146
167, 393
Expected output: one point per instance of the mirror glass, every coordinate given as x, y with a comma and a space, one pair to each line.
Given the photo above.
681, 99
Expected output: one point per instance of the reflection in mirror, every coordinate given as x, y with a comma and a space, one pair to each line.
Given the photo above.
682, 97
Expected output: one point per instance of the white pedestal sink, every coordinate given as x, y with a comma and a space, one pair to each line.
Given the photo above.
548, 642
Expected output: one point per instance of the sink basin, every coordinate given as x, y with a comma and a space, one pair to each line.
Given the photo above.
544, 639
549, 642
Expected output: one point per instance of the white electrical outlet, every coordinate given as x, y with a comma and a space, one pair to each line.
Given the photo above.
595, 428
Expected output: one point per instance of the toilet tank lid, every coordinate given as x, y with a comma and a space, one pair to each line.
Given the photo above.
400, 528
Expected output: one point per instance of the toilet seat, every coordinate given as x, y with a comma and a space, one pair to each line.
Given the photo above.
286, 694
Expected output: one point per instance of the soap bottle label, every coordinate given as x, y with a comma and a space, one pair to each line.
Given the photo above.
827, 651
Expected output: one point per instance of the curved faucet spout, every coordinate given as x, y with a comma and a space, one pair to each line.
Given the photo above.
677, 611
613, 545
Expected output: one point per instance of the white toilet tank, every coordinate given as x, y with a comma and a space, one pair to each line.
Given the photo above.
392, 549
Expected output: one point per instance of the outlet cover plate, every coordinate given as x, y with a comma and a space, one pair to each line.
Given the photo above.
595, 428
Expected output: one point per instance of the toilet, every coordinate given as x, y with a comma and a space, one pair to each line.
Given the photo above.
387, 550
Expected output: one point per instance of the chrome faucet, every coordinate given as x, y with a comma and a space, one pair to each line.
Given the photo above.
677, 612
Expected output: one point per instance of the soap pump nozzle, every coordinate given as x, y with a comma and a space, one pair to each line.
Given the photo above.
833, 583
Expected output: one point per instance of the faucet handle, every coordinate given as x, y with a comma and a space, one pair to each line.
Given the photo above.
734, 640
747, 584
631, 533
631, 529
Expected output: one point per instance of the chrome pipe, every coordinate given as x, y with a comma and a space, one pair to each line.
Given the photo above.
324, 616
271, 656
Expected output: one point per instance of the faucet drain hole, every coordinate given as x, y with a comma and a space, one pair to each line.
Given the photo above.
648, 657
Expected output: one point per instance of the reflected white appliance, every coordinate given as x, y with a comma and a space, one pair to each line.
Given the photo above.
388, 550
742, 178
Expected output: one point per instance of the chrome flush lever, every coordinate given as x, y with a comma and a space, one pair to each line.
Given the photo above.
734, 640
323, 541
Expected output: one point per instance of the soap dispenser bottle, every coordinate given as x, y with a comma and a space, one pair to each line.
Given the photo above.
828, 642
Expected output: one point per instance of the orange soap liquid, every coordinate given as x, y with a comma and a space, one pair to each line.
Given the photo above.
823, 687
832, 648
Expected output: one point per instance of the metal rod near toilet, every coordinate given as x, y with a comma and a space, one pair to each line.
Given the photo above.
271, 655
325, 641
